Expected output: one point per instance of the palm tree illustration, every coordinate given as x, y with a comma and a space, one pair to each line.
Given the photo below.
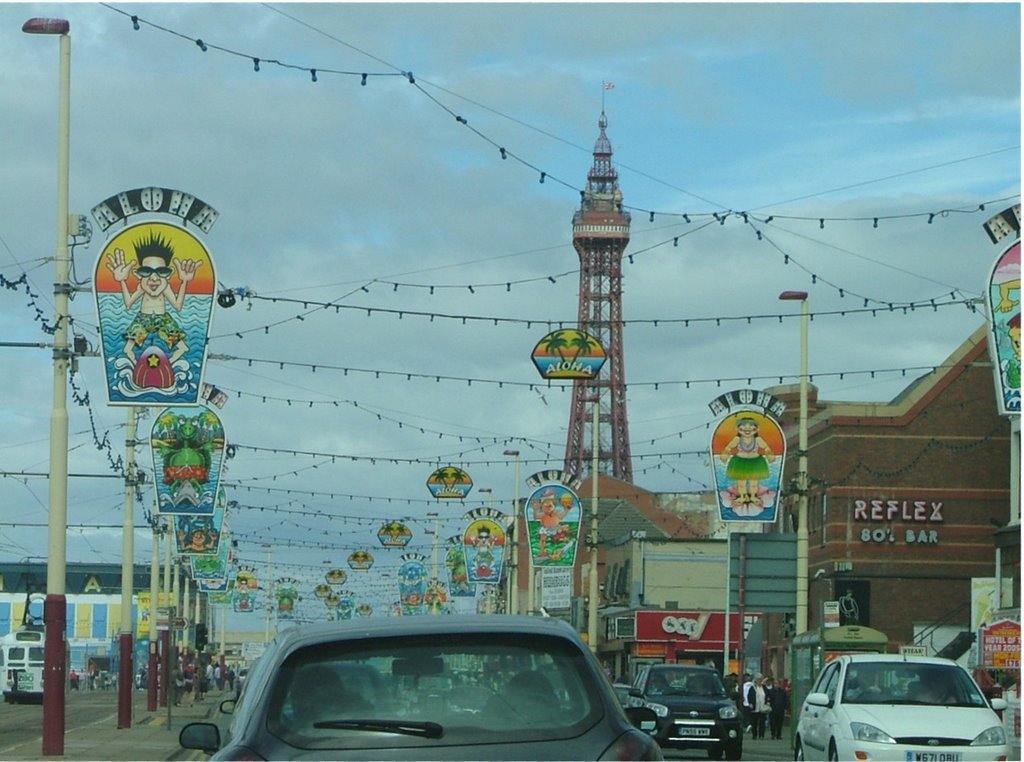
584, 343
555, 342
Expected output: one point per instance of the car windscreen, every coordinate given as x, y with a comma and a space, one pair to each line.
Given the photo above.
680, 681
909, 682
465, 689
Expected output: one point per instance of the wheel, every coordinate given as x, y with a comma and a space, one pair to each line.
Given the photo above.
734, 752
833, 755
715, 752
798, 754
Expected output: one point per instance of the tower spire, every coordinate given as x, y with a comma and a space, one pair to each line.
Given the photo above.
600, 234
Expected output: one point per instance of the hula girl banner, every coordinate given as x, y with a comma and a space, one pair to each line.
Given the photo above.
449, 483
1004, 328
188, 452
155, 285
748, 451
484, 544
553, 519
412, 583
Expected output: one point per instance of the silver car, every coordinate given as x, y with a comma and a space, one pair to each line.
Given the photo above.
428, 688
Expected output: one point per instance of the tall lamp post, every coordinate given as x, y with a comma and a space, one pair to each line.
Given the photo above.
801, 475
126, 649
595, 452
513, 570
55, 607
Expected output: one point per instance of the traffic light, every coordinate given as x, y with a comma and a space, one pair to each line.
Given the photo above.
201, 636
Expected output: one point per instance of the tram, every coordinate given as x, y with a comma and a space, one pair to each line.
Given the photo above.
21, 665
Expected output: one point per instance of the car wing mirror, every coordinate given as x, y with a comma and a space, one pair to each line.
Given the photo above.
204, 736
643, 718
818, 699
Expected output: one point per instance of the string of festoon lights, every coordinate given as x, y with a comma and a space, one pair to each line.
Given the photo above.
869, 304
315, 73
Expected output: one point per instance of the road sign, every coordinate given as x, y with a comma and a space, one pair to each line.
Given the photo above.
179, 623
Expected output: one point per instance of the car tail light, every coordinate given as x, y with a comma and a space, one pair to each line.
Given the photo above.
243, 754
631, 745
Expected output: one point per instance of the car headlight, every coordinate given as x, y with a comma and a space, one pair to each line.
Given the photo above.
659, 709
861, 731
728, 712
994, 736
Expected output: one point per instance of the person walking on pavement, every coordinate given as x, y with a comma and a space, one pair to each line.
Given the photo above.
745, 708
758, 703
778, 700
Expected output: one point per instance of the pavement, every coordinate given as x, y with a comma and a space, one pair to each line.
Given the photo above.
152, 737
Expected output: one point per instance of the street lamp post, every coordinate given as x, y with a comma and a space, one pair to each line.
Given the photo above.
55, 606
126, 650
513, 566
801, 476
595, 448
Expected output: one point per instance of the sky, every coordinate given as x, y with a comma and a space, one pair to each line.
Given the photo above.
403, 244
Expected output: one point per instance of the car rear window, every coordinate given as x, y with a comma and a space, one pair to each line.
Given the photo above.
478, 688
898, 682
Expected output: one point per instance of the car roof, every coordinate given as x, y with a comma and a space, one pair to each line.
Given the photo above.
862, 658
387, 627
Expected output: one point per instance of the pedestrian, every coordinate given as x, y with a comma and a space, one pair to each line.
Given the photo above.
758, 703
745, 708
218, 677
179, 683
74, 679
778, 700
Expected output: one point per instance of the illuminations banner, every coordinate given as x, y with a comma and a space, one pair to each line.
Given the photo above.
154, 283
1004, 328
412, 583
449, 483
246, 585
188, 454
484, 544
286, 591
554, 516
455, 563
197, 535
748, 451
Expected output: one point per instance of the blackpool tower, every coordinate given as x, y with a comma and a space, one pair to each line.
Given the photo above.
600, 233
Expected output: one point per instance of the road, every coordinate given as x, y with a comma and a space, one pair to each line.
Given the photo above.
23, 722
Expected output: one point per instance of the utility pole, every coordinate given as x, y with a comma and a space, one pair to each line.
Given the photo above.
126, 664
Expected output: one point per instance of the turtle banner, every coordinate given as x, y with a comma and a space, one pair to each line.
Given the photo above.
188, 455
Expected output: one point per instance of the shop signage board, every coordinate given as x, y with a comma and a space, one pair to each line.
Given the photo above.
1000, 645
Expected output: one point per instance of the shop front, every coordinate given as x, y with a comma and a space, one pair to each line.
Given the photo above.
687, 637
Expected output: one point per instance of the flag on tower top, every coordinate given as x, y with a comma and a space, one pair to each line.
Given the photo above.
608, 85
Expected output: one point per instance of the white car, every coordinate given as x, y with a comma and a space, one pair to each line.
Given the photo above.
905, 708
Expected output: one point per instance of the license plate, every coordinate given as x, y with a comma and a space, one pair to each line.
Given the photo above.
934, 756
684, 731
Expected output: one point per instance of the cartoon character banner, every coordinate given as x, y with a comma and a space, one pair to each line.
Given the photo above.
211, 572
155, 286
246, 585
197, 535
412, 583
346, 607
286, 591
458, 573
223, 597
554, 516
449, 483
484, 544
1004, 328
748, 451
436, 598
188, 454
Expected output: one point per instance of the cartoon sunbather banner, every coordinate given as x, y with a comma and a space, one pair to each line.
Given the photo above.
553, 519
1004, 328
458, 573
188, 454
155, 287
748, 450
412, 582
484, 544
